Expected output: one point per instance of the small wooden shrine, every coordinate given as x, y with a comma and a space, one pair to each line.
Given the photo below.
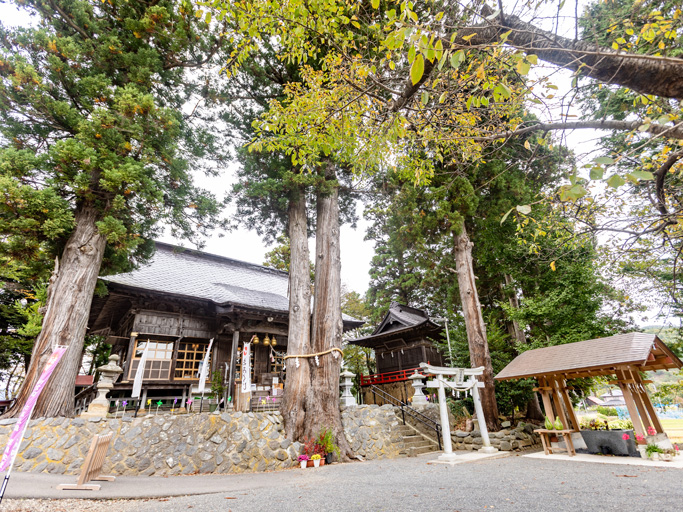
176, 304
403, 340
623, 357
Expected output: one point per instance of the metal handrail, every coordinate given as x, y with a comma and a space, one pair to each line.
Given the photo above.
405, 408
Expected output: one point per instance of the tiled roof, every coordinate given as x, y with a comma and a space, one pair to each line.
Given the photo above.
401, 316
200, 275
591, 355
400, 320
205, 276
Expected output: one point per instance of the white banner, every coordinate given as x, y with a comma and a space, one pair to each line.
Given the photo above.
246, 368
205, 368
137, 383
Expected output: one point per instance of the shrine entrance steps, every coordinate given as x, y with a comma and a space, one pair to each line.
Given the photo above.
415, 443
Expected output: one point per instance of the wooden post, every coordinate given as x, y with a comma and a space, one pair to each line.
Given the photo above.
233, 358
557, 398
638, 400
130, 355
630, 405
568, 405
647, 403
547, 403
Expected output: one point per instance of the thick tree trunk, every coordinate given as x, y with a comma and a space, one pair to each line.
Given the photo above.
322, 400
298, 379
70, 294
533, 409
474, 323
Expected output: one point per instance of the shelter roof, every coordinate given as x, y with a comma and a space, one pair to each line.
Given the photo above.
223, 281
399, 323
595, 357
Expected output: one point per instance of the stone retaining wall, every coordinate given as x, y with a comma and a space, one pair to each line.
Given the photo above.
371, 431
519, 438
186, 444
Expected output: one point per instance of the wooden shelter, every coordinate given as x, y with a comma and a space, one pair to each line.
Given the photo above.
402, 341
179, 301
623, 356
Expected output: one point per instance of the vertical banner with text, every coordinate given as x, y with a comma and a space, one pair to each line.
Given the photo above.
12, 447
246, 368
205, 368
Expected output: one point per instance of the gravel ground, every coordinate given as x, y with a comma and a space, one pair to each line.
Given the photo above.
509, 484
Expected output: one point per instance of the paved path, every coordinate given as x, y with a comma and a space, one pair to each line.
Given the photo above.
413, 484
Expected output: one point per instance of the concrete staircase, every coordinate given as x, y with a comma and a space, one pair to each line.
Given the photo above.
414, 442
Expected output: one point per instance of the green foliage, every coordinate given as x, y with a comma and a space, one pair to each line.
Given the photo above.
621, 425
326, 441
358, 360
607, 411
217, 386
653, 448
90, 117
593, 424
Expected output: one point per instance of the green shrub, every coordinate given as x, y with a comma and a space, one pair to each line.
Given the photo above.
621, 425
607, 411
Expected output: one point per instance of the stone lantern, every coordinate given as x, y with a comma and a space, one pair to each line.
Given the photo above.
99, 407
347, 397
419, 397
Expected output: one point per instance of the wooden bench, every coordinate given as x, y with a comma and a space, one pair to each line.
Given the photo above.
547, 446
92, 466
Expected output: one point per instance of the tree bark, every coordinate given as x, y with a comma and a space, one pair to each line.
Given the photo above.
474, 324
322, 400
533, 409
298, 379
70, 294
646, 74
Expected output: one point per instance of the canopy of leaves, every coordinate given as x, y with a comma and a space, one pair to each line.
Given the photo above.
90, 115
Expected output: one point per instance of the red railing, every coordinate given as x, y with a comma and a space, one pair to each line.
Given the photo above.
383, 378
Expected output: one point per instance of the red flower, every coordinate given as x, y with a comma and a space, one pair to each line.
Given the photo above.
626, 437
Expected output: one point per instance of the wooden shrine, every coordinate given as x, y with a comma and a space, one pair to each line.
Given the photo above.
623, 357
176, 304
403, 340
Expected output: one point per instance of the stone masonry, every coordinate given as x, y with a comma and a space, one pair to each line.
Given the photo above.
190, 443
520, 438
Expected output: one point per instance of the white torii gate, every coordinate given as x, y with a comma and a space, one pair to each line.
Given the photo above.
459, 384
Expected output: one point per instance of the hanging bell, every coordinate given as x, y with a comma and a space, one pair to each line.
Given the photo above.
266, 340
273, 341
255, 339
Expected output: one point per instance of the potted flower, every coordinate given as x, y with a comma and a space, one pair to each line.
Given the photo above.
326, 445
312, 447
602, 437
653, 451
303, 461
316, 459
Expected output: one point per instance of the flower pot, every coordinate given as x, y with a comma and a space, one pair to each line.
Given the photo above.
641, 451
654, 456
610, 442
310, 463
316, 463
666, 457
328, 458
303, 464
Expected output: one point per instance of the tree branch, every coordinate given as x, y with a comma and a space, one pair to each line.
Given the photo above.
673, 132
646, 74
